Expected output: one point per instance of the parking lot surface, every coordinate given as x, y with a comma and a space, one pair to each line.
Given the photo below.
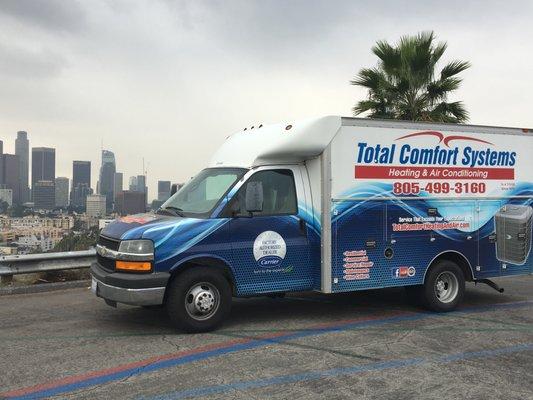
68, 344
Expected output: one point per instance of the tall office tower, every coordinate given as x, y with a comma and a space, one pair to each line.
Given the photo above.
142, 188
44, 195
43, 165
118, 185
81, 183
141, 184
1, 147
10, 176
107, 178
62, 192
129, 202
163, 190
133, 184
22, 150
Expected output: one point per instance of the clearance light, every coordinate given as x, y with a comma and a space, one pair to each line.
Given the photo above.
134, 266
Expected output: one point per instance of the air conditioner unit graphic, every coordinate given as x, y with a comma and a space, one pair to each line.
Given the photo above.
513, 233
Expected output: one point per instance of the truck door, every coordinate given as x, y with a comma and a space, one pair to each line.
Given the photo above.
270, 248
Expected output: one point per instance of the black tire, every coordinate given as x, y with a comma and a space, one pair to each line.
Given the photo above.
449, 277
205, 283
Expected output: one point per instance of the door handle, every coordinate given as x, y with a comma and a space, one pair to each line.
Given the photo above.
303, 226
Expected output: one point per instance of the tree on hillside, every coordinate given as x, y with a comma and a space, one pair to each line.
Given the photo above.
405, 84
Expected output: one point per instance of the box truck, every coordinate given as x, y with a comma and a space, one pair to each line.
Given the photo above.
333, 205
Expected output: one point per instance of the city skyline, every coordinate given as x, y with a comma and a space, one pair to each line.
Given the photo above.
73, 188
9, 147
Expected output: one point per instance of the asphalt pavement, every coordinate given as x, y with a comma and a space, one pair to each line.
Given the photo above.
68, 344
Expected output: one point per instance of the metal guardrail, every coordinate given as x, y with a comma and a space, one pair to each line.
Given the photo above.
31, 263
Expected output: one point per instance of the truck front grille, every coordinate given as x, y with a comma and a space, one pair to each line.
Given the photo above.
111, 244
106, 263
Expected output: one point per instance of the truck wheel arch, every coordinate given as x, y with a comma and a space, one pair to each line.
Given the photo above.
455, 257
204, 261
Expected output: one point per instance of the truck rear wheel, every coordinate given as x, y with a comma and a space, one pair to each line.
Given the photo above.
444, 287
198, 300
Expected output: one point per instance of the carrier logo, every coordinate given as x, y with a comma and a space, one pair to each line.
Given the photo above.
442, 139
403, 272
269, 249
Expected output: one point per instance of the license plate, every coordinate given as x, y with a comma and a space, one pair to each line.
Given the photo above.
94, 286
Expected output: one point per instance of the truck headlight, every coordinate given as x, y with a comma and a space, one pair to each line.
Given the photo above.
138, 247
135, 256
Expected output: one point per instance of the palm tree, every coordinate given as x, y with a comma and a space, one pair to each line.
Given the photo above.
405, 85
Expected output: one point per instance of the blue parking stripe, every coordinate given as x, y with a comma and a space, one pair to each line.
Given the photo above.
260, 342
314, 375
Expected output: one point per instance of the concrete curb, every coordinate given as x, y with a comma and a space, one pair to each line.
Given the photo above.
43, 287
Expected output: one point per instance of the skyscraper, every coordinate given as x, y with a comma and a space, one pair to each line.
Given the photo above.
133, 184
163, 190
9, 175
141, 183
118, 186
62, 192
129, 202
43, 165
81, 183
22, 150
107, 178
81, 172
44, 195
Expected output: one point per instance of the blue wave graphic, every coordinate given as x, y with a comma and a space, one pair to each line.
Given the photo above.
417, 206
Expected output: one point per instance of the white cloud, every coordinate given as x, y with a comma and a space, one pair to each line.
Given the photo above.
169, 80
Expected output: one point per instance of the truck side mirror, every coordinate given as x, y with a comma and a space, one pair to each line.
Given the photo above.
254, 197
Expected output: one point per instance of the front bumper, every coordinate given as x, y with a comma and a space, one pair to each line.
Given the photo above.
133, 289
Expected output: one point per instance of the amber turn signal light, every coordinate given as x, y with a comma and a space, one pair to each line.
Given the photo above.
134, 266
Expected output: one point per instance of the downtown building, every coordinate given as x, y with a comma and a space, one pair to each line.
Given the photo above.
106, 183
61, 196
131, 202
9, 176
43, 171
96, 205
163, 190
44, 195
118, 184
81, 184
22, 150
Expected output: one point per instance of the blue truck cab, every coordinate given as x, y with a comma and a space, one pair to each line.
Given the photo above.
332, 205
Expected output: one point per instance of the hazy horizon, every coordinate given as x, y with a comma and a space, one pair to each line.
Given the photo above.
170, 80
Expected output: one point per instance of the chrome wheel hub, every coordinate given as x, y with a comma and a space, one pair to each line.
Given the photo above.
202, 301
446, 287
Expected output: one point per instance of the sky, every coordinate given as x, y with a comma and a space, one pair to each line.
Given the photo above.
168, 81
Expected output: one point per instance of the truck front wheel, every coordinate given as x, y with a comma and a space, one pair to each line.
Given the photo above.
198, 300
444, 287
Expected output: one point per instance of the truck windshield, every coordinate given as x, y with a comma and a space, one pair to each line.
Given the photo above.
202, 193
